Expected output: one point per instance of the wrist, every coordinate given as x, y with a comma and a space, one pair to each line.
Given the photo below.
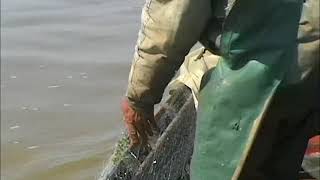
140, 106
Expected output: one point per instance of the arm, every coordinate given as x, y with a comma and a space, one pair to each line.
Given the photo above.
169, 30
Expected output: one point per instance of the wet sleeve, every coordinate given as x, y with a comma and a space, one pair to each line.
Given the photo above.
168, 31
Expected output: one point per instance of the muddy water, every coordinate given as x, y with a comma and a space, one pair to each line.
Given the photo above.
64, 67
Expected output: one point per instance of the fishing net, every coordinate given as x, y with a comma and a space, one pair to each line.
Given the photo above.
169, 154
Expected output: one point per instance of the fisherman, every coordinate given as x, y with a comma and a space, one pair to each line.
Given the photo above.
259, 105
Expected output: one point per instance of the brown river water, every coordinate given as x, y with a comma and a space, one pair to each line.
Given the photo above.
64, 68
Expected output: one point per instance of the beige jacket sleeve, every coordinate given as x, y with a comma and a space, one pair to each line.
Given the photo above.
169, 29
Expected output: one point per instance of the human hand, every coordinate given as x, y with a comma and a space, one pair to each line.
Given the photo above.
139, 123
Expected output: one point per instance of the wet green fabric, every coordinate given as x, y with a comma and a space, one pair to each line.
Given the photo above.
258, 44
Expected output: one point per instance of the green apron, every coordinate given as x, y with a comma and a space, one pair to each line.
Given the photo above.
258, 45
